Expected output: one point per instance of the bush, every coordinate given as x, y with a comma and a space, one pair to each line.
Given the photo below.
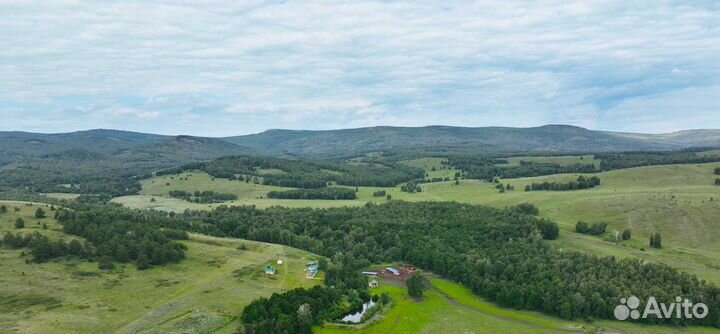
581, 227
39, 213
106, 263
597, 228
626, 234
415, 285
594, 229
19, 223
527, 208
655, 240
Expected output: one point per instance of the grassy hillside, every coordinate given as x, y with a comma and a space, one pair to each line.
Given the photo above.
549, 138
201, 294
679, 201
100, 168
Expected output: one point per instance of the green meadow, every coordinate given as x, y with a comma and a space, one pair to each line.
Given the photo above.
202, 294
448, 307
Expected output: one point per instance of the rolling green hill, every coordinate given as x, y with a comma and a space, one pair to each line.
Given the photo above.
98, 162
202, 294
548, 138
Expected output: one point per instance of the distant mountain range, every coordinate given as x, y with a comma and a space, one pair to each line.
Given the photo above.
126, 145
119, 146
548, 138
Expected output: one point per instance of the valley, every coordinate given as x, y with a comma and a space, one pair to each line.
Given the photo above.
208, 290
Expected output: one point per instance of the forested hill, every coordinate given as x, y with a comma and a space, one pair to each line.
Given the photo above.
99, 161
348, 142
548, 138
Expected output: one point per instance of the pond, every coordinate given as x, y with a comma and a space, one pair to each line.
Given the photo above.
356, 317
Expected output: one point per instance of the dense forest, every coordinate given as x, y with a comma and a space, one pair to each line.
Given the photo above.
123, 235
499, 254
324, 193
206, 196
487, 168
610, 161
110, 233
582, 182
305, 174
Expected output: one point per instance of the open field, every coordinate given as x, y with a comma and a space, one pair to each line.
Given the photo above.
247, 193
67, 196
203, 293
451, 308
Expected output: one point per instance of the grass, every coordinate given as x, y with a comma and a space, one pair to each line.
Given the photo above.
452, 308
157, 188
67, 196
197, 295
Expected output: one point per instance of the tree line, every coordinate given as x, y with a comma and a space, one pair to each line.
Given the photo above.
43, 249
582, 182
123, 236
484, 168
332, 193
206, 196
610, 161
305, 174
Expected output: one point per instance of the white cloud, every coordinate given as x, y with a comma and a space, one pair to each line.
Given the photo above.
325, 64
124, 111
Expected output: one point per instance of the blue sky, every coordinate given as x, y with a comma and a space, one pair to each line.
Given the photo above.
218, 68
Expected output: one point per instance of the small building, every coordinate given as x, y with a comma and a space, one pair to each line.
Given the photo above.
373, 284
310, 263
311, 271
393, 271
270, 270
279, 262
370, 273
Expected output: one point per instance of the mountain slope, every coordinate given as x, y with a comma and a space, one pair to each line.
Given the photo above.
97, 161
548, 138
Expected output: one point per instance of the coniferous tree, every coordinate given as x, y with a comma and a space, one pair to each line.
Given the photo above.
415, 285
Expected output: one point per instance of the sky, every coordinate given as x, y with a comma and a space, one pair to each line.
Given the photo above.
220, 68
